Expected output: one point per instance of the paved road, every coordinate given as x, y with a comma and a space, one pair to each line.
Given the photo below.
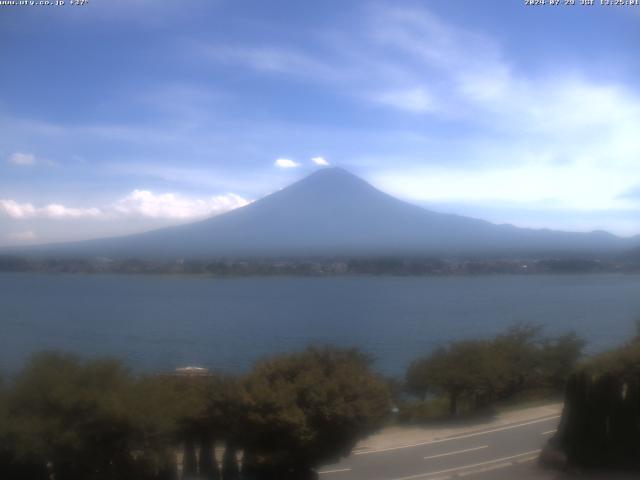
504, 452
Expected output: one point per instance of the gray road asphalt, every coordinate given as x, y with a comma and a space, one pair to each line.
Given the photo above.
507, 452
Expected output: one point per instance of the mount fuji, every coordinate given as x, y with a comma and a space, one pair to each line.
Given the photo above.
333, 212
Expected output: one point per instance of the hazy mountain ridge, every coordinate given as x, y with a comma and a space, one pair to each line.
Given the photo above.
332, 212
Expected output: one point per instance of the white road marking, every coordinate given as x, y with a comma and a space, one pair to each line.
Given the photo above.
497, 466
337, 470
502, 461
525, 460
456, 452
548, 432
459, 437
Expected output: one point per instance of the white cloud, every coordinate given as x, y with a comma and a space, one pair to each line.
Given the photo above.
141, 203
556, 139
208, 178
17, 210
274, 59
321, 161
21, 237
285, 163
633, 193
22, 159
568, 187
169, 205
459, 60
14, 209
415, 99
56, 210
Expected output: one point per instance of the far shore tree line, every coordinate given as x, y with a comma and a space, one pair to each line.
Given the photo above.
66, 418
364, 265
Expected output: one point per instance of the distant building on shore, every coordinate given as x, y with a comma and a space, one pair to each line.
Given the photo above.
191, 371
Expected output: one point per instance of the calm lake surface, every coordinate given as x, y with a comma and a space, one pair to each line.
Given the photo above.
160, 322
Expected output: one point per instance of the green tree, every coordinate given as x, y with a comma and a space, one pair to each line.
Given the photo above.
78, 413
308, 408
515, 358
16, 461
481, 372
188, 412
558, 358
75, 417
459, 371
529, 360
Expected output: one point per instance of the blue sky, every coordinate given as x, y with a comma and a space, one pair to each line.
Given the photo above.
121, 116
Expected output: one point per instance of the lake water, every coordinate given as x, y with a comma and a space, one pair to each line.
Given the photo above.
161, 322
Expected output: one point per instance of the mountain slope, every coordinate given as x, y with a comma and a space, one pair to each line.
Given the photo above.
333, 212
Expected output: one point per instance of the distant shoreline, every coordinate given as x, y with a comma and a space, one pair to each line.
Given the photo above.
336, 267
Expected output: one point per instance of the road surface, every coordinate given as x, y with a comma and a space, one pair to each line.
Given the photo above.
496, 452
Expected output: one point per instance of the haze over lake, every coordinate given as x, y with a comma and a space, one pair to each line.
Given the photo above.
157, 323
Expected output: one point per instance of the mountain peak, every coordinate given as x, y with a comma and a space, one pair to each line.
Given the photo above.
331, 180
332, 174
330, 171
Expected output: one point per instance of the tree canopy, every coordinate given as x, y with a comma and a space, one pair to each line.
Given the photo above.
94, 420
483, 371
312, 407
